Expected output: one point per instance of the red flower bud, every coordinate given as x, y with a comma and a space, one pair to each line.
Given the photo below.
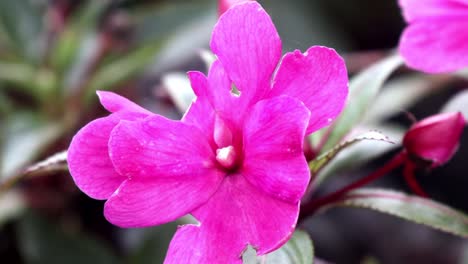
224, 5
436, 138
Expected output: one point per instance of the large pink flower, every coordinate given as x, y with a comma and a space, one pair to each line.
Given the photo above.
436, 39
235, 162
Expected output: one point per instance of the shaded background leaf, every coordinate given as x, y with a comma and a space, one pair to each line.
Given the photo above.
43, 243
412, 208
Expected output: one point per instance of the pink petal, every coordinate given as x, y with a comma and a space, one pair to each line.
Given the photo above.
89, 162
201, 115
414, 10
116, 103
88, 154
224, 5
436, 45
216, 89
318, 78
248, 46
149, 202
214, 99
171, 170
274, 160
238, 214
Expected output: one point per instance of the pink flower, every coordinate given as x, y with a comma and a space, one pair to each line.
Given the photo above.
435, 138
234, 162
224, 5
436, 39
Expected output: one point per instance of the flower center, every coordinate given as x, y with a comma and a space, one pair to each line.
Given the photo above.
226, 157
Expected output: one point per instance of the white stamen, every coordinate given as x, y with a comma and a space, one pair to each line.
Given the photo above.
226, 156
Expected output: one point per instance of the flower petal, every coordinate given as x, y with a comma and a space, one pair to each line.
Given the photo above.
238, 214
201, 115
116, 103
171, 161
273, 156
318, 78
414, 10
88, 154
214, 100
89, 162
248, 46
436, 45
149, 202
216, 89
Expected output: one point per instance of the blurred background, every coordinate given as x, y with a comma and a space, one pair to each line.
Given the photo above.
55, 54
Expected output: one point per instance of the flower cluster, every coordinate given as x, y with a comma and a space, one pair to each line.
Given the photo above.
235, 161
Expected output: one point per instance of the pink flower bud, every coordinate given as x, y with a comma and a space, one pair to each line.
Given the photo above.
435, 138
224, 5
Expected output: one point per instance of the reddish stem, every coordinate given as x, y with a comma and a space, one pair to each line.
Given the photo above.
312, 206
408, 173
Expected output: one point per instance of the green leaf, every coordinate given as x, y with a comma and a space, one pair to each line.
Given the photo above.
122, 69
323, 160
40, 241
459, 103
298, 250
412, 208
363, 89
21, 75
402, 93
22, 21
5, 105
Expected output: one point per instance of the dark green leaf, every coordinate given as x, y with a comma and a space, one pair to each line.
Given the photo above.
298, 250
41, 242
363, 89
412, 208
152, 243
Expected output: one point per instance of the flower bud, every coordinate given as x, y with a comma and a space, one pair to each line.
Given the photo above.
435, 139
224, 5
